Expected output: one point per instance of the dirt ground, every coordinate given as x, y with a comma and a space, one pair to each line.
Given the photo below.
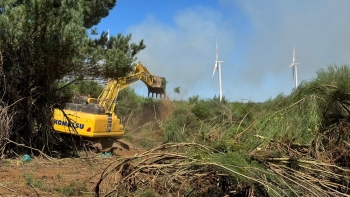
56, 177
71, 176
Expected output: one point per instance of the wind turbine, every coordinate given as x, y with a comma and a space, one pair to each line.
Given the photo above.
218, 64
295, 69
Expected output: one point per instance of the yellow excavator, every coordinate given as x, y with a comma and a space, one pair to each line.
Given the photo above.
95, 120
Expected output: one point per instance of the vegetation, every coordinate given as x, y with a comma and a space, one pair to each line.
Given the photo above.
33, 182
37, 55
73, 189
291, 145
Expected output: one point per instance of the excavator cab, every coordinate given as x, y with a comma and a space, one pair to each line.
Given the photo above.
158, 87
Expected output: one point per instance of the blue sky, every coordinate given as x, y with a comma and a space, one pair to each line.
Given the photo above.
255, 40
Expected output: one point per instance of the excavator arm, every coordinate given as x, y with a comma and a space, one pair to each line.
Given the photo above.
108, 97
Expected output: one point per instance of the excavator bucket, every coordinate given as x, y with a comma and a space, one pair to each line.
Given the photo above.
158, 87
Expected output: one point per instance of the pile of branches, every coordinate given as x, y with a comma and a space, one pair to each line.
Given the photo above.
307, 143
177, 170
317, 169
164, 173
332, 144
300, 174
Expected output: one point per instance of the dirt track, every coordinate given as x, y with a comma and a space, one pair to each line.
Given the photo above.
62, 177
42, 177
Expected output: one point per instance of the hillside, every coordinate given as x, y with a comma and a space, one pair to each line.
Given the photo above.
291, 145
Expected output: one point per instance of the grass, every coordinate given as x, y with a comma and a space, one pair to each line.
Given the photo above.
146, 143
33, 182
7, 183
58, 176
73, 188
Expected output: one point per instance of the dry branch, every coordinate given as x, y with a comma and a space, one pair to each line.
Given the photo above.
1, 185
42, 153
324, 178
166, 173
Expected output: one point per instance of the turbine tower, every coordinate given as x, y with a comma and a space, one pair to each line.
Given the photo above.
295, 69
218, 65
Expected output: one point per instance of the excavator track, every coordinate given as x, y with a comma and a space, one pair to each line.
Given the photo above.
115, 145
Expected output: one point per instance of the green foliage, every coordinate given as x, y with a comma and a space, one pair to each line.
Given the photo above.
193, 100
244, 112
181, 124
198, 119
120, 55
223, 99
91, 88
37, 54
58, 176
146, 143
296, 119
65, 92
95, 10
33, 182
331, 91
82, 88
128, 100
292, 123
290, 119
129, 107
149, 101
177, 90
201, 110
255, 142
73, 189
172, 132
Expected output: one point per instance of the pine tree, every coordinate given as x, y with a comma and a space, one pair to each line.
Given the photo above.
43, 42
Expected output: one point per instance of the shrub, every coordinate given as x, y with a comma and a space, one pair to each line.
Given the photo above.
73, 189
33, 182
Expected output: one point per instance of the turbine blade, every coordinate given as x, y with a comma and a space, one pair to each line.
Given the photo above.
294, 73
217, 51
214, 69
293, 54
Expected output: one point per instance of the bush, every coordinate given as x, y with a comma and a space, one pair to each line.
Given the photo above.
73, 189
91, 88
129, 107
33, 182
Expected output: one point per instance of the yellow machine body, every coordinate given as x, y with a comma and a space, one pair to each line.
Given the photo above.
87, 124
96, 118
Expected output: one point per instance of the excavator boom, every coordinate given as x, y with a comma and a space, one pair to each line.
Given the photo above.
156, 85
